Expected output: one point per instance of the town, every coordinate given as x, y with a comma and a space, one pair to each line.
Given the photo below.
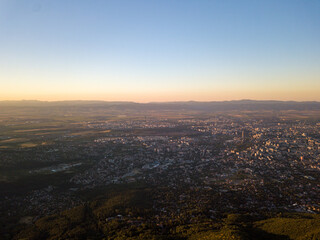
222, 163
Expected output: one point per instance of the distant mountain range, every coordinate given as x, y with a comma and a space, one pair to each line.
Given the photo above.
249, 105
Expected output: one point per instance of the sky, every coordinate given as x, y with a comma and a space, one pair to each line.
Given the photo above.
160, 50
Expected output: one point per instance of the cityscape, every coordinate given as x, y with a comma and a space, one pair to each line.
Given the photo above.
195, 168
159, 120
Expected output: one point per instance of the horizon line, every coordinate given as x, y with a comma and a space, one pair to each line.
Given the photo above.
186, 101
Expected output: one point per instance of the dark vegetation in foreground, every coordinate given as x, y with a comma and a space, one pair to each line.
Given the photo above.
127, 213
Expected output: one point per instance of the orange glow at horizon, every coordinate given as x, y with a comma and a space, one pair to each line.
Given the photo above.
169, 96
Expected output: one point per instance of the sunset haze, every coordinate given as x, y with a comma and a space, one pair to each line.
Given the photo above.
146, 51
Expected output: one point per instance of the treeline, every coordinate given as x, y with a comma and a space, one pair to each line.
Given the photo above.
128, 214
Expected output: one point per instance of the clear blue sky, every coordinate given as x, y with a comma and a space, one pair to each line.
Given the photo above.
160, 50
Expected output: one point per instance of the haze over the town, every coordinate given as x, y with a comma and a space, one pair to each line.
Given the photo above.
160, 50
